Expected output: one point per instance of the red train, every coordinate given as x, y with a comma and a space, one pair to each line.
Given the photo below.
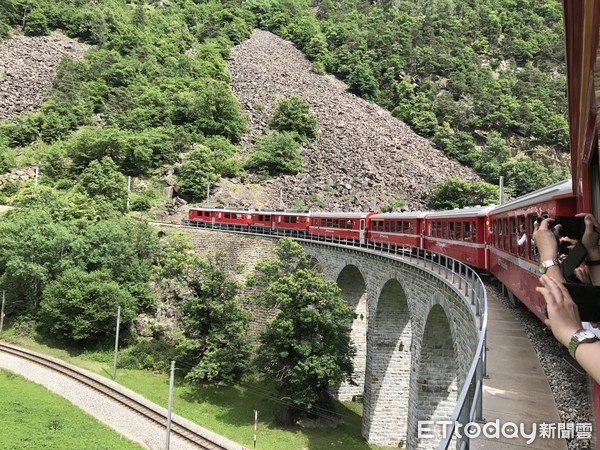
482, 237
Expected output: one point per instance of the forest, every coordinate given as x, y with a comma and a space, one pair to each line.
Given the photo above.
483, 80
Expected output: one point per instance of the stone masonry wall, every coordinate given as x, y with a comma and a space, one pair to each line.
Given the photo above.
420, 334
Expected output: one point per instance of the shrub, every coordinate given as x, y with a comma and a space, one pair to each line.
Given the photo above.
36, 24
293, 115
276, 153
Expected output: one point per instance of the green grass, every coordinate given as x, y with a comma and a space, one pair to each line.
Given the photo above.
35, 418
227, 411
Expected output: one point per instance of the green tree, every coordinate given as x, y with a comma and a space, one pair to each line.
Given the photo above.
456, 192
523, 175
35, 250
35, 23
197, 171
292, 114
306, 348
103, 179
81, 306
275, 153
494, 155
216, 347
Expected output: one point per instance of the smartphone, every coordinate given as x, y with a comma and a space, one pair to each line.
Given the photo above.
572, 227
576, 256
587, 299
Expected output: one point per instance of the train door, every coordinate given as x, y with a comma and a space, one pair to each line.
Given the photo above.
213, 215
362, 231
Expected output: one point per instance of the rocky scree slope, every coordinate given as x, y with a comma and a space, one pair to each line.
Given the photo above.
363, 157
27, 68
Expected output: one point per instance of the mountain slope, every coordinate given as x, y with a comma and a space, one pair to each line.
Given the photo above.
363, 157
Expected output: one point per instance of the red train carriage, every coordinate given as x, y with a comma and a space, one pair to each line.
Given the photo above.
291, 222
341, 226
460, 234
201, 215
516, 266
398, 229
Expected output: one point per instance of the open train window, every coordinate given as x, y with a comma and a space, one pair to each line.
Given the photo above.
513, 235
459, 235
500, 234
466, 231
533, 252
451, 230
411, 228
445, 230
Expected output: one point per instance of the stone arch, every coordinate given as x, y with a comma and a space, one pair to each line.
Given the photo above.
437, 374
387, 380
354, 291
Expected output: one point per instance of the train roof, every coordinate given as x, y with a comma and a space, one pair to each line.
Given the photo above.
562, 189
474, 211
401, 215
291, 212
341, 215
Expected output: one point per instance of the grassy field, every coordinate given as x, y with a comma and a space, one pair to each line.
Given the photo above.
224, 410
35, 418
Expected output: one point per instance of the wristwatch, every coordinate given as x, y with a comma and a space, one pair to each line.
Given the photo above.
580, 336
545, 265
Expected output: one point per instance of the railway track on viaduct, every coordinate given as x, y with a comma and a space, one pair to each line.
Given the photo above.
145, 410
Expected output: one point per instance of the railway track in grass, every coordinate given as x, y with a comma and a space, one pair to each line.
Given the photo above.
181, 429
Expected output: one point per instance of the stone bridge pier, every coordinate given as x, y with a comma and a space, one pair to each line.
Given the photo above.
415, 336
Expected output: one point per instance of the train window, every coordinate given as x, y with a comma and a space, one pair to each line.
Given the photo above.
286, 219
405, 226
393, 226
323, 222
459, 235
293, 219
451, 230
512, 240
533, 252
411, 228
506, 234
260, 218
227, 215
474, 231
336, 223
268, 218
386, 226
349, 224
329, 222
241, 216
466, 231
445, 230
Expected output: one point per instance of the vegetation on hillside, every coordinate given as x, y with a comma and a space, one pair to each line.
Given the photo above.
484, 81
471, 76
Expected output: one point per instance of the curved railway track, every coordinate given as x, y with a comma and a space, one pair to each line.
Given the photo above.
147, 412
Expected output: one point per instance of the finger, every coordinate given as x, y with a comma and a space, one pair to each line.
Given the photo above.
555, 289
547, 323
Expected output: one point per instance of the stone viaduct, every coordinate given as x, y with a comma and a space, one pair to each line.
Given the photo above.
415, 332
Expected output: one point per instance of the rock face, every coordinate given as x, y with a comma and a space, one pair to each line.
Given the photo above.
363, 157
27, 68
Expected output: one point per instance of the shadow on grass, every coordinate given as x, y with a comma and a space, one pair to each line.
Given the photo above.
235, 406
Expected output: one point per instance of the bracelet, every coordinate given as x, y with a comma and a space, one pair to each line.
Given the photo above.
595, 262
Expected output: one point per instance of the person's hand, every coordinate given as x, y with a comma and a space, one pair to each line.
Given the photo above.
563, 315
590, 236
583, 275
545, 240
